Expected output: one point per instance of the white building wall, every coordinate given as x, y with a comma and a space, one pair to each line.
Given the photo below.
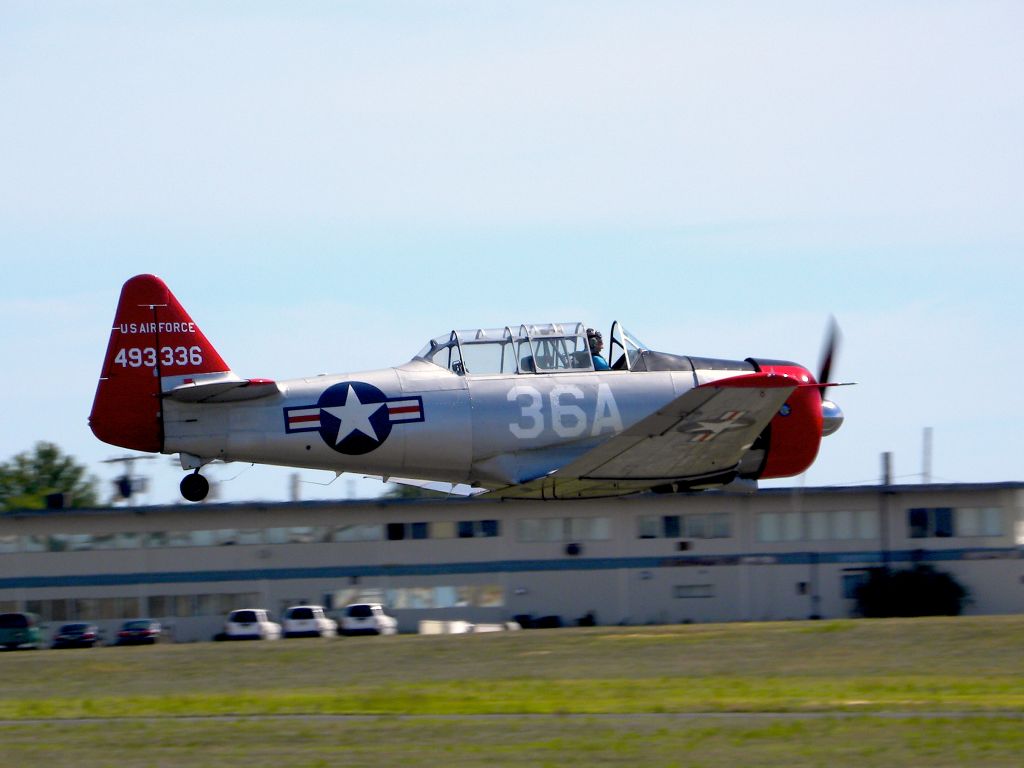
774, 565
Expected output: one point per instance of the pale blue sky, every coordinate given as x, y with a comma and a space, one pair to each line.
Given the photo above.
327, 185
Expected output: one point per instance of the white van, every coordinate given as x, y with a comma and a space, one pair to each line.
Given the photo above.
307, 621
367, 619
251, 624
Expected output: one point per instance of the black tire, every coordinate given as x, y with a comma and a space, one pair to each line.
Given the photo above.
195, 487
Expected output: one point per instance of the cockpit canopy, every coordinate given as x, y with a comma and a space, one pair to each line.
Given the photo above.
547, 348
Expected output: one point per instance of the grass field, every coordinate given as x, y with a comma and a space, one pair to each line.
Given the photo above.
929, 691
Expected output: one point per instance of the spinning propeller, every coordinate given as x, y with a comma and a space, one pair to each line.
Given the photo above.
832, 415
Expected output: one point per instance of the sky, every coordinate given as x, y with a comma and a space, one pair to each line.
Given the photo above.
327, 185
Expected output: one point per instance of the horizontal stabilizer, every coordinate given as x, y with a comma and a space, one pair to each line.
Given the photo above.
223, 391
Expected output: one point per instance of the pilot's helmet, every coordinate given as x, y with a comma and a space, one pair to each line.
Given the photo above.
595, 340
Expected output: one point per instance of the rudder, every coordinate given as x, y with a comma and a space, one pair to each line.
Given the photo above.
154, 345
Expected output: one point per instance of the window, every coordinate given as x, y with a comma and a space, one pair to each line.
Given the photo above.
842, 524
203, 538
178, 539
929, 522
422, 598
589, 528
866, 523
51, 610
721, 527
307, 534
709, 526
555, 353
444, 529
184, 605
489, 357
402, 531
647, 527
249, 536
207, 605
359, 532
158, 606
539, 529
979, 521
70, 542
852, 581
696, 526
470, 529
791, 526
768, 527
86, 608
818, 526
564, 529
685, 591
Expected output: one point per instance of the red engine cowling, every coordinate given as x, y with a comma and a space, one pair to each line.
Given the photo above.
794, 435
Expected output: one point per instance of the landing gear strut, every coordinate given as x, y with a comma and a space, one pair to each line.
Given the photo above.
195, 487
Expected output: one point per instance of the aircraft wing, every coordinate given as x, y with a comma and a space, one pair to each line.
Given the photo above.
701, 434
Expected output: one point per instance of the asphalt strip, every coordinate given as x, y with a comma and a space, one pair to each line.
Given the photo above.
670, 716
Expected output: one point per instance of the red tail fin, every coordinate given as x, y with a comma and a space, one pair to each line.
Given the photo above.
154, 345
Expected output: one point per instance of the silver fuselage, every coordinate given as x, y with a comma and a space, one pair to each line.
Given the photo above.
489, 430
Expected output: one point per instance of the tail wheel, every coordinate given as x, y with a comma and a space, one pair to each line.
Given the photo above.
195, 487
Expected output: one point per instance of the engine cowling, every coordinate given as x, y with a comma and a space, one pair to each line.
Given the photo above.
791, 441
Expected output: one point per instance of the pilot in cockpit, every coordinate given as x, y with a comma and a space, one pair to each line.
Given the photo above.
596, 345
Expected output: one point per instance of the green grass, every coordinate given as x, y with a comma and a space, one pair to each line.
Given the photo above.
867, 742
670, 695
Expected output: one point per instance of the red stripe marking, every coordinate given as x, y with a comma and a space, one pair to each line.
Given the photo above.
296, 419
405, 409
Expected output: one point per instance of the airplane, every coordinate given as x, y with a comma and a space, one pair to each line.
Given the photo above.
520, 412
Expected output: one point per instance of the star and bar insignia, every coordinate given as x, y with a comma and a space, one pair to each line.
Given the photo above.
353, 417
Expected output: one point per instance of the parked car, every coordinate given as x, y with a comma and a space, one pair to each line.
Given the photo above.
250, 624
139, 632
307, 621
77, 635
20, 630
367, 619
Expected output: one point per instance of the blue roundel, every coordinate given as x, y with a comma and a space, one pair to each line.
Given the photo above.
354, 417
785, 410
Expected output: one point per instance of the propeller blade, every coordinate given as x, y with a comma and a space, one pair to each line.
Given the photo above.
828, 353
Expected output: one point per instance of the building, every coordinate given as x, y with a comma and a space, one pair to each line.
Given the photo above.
714, 556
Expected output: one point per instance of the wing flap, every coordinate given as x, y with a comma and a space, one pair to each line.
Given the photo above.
699, 437
450, 489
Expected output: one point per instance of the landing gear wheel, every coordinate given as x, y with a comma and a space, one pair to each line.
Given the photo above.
195, 487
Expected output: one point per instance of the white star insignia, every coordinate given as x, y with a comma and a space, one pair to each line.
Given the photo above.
706, 431
354, 416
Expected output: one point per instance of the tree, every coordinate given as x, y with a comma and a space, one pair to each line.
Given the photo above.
28, 478
401, 491
918, 591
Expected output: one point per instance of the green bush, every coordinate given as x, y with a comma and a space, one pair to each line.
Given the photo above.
917, 591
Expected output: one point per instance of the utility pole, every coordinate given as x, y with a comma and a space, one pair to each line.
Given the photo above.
926, 458
883, 507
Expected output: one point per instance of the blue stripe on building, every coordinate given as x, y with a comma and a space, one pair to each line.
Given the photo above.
863, 559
